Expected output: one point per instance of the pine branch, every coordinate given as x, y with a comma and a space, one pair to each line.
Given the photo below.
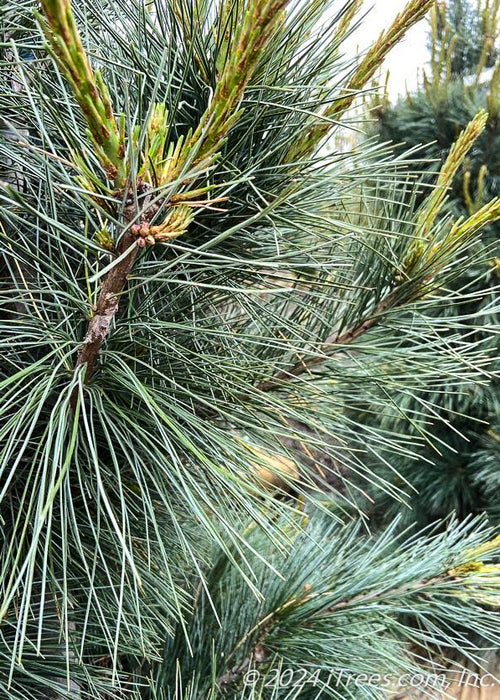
334, 343
107, 305
259, 654
201, 149
88, 86
422, 256
256, 29
454, 160
411, 583
428, 260
119, 505
414, 11
258, 22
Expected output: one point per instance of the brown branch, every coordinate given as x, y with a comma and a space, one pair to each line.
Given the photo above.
106, 308
331, 346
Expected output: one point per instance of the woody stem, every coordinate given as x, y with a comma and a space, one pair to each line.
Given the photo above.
106, 308
330, 345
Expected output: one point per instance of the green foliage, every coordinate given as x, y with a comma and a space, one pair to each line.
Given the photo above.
185, 309
346, 604
456, 88
447, 100
462, 28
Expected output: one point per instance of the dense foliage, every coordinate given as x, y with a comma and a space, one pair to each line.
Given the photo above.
463, 33
464, 475
207, 324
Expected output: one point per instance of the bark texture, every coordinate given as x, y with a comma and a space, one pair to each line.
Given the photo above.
107, 306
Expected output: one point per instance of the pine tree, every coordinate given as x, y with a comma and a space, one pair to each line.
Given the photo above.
456, 478
463, 33
199, 309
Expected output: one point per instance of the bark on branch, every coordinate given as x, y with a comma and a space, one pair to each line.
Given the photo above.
106, 308
330, 346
